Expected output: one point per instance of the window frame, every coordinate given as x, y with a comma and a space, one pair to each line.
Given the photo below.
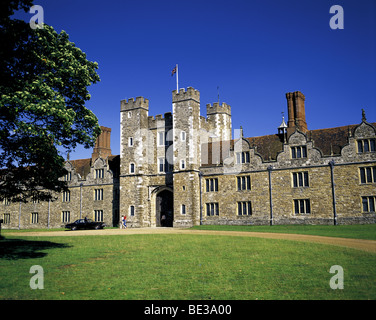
243, 183
302, 207
366, 145
66, 195
99, 173
65, 216
162, 138
68, 176
368, 204
299, 152
212, 209
300, 179
34, 218
367, 175
98, 194
162, 165
244, 208
243, 157
98, 213
182, 164
211, 184
6, 218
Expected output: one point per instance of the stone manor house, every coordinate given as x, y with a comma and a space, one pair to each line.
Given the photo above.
183, 169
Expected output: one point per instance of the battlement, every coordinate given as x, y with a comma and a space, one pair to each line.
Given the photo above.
217, 108
182, 95
159, 120
140, 102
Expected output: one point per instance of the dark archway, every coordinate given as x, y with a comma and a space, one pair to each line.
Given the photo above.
164, 209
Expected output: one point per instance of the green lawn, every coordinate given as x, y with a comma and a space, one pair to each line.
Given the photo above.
367, 231
163, 266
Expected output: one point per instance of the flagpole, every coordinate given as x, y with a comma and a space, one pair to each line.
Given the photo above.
177, 79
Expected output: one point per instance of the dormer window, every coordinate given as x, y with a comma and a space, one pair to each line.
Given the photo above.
242, 157
68, 176
299, 152
99, 173
366, 145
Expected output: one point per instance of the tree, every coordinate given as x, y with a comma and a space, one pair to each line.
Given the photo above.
43, 89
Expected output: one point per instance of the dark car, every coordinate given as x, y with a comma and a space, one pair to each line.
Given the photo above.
85, 224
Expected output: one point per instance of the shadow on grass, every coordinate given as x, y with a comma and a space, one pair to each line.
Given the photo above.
14, 249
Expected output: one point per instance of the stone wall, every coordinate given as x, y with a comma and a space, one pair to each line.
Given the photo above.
199, 149
80, 203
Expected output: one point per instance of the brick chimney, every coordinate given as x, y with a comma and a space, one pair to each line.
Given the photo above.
102, 146
296, 112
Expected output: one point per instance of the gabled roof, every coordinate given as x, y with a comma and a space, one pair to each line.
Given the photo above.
330, 141
82, 166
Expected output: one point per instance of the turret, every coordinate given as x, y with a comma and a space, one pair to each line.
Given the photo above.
187, 156
139, 103
219, 115
182, 95
186, 124
133, 125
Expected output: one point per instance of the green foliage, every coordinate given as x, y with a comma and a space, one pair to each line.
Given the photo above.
44, 81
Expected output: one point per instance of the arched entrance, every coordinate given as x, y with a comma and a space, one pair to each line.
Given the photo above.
164, 209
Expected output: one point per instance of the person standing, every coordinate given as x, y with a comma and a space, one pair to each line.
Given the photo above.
124, 220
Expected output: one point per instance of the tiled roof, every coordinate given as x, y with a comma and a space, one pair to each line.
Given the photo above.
82, 166
330, 141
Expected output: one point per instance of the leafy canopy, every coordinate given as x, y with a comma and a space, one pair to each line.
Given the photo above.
44, 80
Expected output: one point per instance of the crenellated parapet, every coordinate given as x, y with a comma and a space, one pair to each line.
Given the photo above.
140, 102
160, 121
217, 108
182, 95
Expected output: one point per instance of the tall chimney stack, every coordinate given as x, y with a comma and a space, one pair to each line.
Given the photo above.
102, 146
296, 112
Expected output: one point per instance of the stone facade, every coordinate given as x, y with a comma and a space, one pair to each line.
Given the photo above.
183, 169
93, 193
286, 178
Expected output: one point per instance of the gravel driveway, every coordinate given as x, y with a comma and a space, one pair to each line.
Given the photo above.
360, 244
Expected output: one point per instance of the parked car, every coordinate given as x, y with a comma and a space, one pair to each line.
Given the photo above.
85, 224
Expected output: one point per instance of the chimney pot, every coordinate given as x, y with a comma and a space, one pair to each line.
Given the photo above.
102, 146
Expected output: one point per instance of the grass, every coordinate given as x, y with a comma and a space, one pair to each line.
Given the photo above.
367, 231
195, 267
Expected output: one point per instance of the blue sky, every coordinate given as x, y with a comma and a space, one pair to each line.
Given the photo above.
255, 51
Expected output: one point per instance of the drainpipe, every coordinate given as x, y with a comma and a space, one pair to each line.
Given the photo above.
331, 164
48, 219
270, 168
81, 200
200, 176
19, 217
